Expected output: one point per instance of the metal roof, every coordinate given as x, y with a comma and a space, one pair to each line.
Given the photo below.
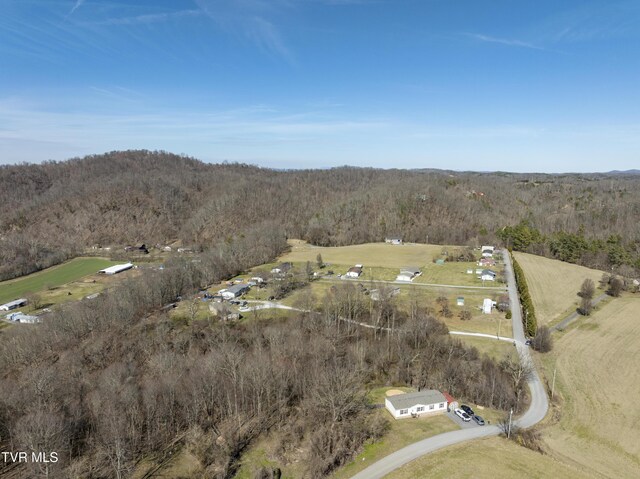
237, 288
426, 396
410, 269
15, 304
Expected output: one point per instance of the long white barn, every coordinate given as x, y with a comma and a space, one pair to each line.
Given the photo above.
117, 268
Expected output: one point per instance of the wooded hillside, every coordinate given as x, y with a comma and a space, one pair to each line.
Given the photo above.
55, 209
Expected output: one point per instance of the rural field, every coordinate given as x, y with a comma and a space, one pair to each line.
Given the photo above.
494, 458
593, 431
370, 254
598, 379
554, 285
52, 277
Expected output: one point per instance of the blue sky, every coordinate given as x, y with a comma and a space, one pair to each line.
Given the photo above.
482, 85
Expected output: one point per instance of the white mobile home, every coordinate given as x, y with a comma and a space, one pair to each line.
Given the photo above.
488, 275
393, 240
115, 269
487, 306
428, 401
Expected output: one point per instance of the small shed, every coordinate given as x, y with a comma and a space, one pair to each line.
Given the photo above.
460, 301
440, 261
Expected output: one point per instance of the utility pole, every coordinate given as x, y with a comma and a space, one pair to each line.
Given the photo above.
553, 383
509, 430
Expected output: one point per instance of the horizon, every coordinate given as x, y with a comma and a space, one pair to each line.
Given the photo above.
292, 84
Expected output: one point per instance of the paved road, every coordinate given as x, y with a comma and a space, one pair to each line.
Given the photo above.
536, 412
569, 319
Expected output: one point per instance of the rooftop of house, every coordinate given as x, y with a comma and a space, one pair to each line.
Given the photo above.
426, 396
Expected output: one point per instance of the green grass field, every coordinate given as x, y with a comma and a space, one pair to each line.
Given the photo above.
51, 277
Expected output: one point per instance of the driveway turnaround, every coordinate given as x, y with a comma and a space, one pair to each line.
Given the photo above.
536, 412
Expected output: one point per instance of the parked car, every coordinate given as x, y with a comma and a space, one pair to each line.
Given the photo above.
528, 342
462, 415
467, 409
478, 419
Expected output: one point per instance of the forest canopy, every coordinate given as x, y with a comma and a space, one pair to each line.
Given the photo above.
55, 210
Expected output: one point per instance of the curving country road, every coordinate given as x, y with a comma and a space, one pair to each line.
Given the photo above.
536, 412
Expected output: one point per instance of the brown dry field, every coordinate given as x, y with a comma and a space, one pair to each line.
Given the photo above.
370, 254
493, 458
554, 285
598, 380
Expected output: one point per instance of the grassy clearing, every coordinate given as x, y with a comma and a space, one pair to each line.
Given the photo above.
495, 349
401, 433
494, 458
55, 276
371, 254
554, 285
598, 381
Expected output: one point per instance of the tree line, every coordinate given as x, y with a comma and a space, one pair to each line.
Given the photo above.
55, 210
528, 311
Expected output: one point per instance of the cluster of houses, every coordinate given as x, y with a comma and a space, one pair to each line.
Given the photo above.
427, 401
17, 316
486, 262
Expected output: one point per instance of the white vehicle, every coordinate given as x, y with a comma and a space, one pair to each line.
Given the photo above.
462, 415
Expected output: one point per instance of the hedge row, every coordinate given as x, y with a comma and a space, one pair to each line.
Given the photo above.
528, 311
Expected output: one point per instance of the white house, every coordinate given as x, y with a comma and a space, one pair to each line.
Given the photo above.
490, 248
234, 291
408, 273
393, 240
488, 275
428, 401
354, 272
487, 306
18, 303
115, 269
23, 318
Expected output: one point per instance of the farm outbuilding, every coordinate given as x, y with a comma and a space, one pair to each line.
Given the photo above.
115, 269
428, 401
18, 303
408, 273
234, 291
460, 301
282, 268
354, 272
